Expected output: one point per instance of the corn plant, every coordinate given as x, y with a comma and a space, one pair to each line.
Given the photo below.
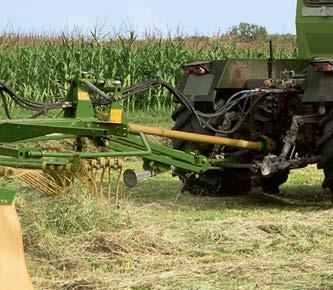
34, 66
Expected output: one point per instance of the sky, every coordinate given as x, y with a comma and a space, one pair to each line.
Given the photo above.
190, 17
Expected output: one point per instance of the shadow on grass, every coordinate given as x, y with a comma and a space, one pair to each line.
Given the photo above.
166, 193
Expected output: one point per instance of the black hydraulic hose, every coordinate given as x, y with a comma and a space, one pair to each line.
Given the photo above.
231, 102
137, 88
238, 124
140, 87
32, 105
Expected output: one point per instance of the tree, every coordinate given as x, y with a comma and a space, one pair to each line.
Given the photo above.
248, 32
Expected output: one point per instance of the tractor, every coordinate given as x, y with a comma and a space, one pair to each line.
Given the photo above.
288, 101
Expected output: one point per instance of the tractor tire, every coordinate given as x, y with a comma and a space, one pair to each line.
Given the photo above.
214, 183
326, 162
185, 121
204, 184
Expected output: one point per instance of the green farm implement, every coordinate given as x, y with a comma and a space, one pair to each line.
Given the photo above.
239, 124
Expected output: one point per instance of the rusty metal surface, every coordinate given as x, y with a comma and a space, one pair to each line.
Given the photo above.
234, 74
237, 72
206, 94
319, 87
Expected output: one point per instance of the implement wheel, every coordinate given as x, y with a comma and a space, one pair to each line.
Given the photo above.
271, 184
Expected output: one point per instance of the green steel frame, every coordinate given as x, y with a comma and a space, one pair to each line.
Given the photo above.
82, 121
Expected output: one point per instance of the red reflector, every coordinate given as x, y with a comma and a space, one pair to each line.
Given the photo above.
322, 66
196, 70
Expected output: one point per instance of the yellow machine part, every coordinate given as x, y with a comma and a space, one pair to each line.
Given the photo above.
13, 271
199, 138
173, 134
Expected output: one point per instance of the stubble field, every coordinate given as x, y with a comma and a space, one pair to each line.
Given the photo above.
159, 238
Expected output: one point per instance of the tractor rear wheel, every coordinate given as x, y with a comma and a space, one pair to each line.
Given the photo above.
326, 162
185, 121
226, 182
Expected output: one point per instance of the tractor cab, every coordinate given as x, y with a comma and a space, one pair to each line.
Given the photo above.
314, 23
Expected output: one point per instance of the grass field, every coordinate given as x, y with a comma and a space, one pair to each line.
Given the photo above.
159, 238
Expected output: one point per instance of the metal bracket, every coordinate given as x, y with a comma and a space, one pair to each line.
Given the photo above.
272, 163
323, 11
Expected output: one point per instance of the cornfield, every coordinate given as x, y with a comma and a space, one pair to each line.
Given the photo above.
34, 66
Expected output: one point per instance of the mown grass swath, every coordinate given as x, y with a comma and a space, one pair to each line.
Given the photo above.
34, 66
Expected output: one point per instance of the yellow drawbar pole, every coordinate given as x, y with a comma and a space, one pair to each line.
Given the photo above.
13, 271
200, 138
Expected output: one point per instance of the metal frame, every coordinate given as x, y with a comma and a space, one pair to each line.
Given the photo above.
80, 121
